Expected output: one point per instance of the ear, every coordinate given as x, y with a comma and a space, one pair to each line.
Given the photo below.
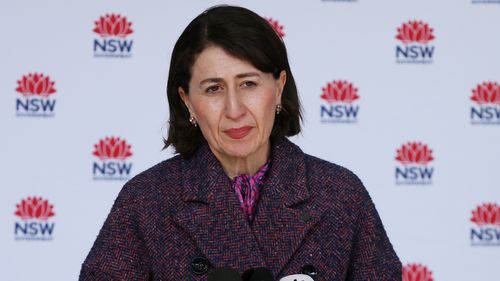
185, 99
281, 81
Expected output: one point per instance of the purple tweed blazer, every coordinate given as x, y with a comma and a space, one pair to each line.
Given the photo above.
311, 212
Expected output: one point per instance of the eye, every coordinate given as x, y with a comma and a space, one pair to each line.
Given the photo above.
249, 84
213, 89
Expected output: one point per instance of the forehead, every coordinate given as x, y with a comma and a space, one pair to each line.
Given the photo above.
216, 62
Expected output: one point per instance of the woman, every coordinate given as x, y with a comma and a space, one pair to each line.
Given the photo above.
240, 194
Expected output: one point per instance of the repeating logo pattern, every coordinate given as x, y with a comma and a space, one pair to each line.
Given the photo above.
486, 231
113, 30
486, 107
415, 37
112, 153
36, 94
34, 213
279, 28
340, 97
414, 158
35, 100
416, 272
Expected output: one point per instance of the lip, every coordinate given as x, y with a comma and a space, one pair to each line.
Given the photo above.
238, 133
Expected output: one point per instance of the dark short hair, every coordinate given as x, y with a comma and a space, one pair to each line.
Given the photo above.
245, 35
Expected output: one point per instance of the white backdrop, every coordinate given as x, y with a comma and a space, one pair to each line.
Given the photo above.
49, 153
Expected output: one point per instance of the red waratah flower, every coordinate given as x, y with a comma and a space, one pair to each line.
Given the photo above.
34, 208
415, 32
340, 91
277, 27
486, 214
113, 25
35, 84
487, 92
416, 272
112, 148
414, 153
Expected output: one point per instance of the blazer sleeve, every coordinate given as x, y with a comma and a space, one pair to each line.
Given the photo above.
119, 252
372, 256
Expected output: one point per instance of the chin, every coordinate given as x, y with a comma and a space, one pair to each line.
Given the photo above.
240, 150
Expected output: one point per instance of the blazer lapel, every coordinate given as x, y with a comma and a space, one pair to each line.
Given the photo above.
212, 215
286, 211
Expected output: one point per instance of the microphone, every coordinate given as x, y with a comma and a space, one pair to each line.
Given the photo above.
258, 274
224, 274
297, 277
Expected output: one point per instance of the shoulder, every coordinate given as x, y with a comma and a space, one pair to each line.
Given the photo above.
331, 173
155, 184
322, 177
165, 171
334, 183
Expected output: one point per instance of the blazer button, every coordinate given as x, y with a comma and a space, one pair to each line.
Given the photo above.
200, 265
309, 270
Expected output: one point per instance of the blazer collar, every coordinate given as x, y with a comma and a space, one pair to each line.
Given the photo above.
286, 173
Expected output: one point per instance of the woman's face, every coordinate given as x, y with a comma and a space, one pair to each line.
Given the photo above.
233, 102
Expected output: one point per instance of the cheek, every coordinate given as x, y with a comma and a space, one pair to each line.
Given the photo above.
207, 112
265, 110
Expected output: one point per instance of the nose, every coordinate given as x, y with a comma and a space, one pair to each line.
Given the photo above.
235, 107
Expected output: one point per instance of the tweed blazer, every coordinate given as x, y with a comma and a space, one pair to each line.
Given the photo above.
310, 213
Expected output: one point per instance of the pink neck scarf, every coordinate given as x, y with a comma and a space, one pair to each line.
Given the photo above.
247, 190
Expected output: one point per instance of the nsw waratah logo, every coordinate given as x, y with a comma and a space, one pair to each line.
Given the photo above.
339, 103
414, 43
414, 168
416, 272
34, 216
486, 229
35, 97
113, 30
112, 153
486, 104
280, 30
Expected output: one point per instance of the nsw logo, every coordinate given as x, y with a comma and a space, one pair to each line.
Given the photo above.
414, 47
340, 106
112, 153
486, 110
486, 231
34, 214
416, 272
280, 30
35, 98
414, 168
113, 30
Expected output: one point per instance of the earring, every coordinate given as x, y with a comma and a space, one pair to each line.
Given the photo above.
278, 109
192, 120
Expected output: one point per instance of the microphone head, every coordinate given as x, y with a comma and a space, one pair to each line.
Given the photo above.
224, 274
258, 274
297, 277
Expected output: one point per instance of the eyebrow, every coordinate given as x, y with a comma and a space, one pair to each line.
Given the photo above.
241, 75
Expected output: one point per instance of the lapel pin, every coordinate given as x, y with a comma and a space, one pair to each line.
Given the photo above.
305, 216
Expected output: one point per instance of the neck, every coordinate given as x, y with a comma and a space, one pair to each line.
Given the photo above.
235, 166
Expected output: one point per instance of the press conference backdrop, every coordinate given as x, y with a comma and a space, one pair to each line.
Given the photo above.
404, 93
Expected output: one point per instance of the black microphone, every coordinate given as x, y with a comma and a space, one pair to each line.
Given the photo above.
224, 274
258, 274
